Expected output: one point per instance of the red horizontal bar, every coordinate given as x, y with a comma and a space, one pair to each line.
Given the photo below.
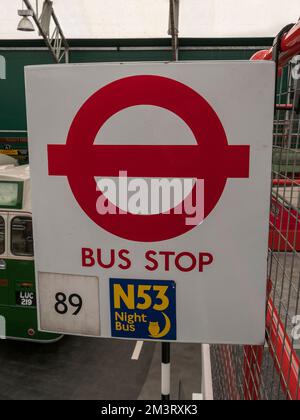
287, 182
285, 107
150, 161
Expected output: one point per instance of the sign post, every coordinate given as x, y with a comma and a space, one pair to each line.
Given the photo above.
165, 371
155, 225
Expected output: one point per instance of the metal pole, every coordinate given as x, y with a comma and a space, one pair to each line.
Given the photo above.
166, 347
173, 27
165, 371
54, 52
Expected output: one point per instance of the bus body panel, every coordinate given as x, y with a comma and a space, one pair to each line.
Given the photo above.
17, 276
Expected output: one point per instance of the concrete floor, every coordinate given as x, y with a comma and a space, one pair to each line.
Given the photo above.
185, 373
93, 369
73, 368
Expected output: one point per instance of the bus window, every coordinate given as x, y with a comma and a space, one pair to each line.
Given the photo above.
2, 235
21, 236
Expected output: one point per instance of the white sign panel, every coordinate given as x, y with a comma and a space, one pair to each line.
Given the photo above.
150, 188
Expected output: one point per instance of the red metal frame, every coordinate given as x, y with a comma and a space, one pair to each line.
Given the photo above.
287, 182
253, 359
285, 359
290, 46
284, 234
281, 349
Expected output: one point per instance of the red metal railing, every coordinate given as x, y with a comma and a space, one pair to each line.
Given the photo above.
290, 46
273, 371
284, 236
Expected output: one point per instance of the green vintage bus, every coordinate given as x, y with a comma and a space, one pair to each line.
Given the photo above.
17, 279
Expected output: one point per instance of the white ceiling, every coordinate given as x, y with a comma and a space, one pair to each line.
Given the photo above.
149, 18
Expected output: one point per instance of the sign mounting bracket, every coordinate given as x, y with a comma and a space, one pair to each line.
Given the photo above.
174, 27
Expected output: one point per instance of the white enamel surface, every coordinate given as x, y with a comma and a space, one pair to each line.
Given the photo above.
226, 302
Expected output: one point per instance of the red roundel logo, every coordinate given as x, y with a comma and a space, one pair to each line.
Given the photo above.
211, 159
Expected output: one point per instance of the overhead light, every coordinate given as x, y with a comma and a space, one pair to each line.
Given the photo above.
25, 23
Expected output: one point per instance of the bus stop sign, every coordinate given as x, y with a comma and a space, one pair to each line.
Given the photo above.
151, 196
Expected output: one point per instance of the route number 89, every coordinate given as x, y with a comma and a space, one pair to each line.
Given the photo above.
62, 303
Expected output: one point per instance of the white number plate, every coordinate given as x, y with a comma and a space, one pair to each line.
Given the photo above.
69, 304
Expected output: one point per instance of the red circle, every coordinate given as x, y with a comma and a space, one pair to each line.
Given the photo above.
175, 97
